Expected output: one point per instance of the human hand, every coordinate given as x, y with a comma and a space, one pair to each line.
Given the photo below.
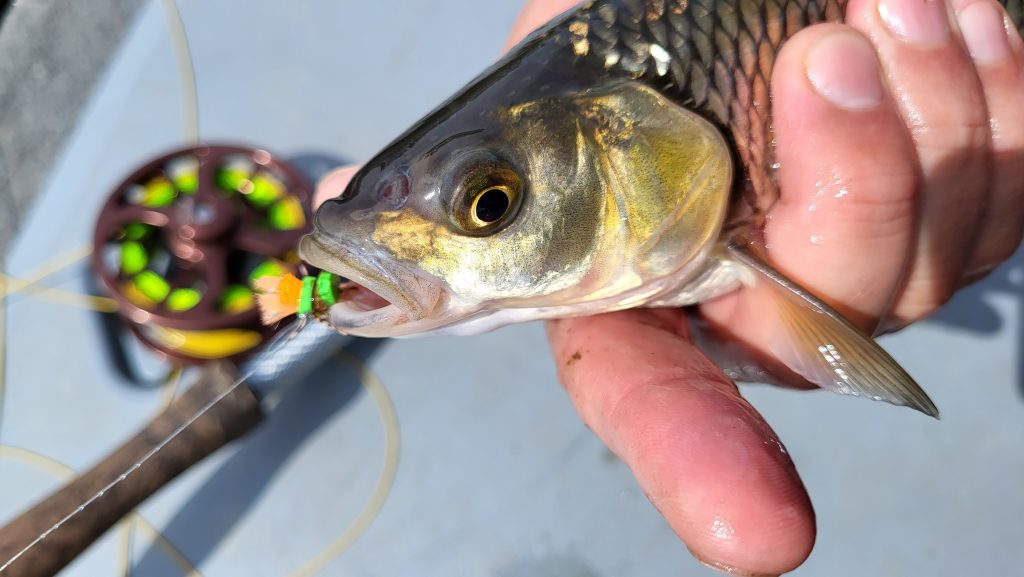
912, 156
915, 172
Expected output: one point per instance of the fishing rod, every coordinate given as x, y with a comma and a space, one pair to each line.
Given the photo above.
222, 405
174, 248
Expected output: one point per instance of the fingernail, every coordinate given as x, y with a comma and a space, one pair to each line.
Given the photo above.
916, 21
843, 69
984, 32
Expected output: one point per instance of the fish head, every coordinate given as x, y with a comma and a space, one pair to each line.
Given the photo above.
496, 210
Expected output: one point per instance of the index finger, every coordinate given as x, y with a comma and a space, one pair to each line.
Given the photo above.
704, 457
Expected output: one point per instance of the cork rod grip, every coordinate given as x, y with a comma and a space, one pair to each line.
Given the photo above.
228, 419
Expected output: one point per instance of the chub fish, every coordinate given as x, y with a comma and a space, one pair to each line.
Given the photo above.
618, 157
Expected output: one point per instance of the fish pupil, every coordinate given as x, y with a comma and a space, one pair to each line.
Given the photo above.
491, 205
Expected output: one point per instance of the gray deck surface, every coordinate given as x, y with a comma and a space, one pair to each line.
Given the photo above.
50, 56
497, 476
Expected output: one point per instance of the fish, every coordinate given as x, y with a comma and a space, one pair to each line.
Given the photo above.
619, 157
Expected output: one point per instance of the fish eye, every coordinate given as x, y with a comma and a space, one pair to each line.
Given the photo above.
490, 205
487, 199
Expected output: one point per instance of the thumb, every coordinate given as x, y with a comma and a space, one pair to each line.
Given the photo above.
332, 185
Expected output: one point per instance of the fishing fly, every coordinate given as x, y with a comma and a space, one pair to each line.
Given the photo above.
280, 297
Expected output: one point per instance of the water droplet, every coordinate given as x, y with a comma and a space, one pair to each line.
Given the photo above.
722, 529
816, 239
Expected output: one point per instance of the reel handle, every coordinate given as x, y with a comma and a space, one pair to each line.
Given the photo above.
225, 421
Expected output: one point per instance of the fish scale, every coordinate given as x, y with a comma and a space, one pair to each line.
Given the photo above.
722, 54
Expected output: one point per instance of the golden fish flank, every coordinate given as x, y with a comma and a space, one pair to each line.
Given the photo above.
667, 171
473, 268
614, 189
643, 227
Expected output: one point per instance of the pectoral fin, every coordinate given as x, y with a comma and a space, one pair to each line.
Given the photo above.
823, 347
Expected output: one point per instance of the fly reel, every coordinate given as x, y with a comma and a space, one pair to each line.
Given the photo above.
180, 243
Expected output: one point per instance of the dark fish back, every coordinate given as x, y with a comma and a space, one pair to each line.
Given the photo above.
720, 55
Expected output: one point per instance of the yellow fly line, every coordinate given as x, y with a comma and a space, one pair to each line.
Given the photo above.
386, 479
60, 296
186, 70
30, 285
3, 346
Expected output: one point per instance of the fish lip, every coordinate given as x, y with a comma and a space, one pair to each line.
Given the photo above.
327, 254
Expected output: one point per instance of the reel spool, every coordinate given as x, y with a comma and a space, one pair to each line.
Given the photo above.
181, 241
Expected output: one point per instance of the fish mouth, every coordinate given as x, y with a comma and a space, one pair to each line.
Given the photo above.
378, 300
